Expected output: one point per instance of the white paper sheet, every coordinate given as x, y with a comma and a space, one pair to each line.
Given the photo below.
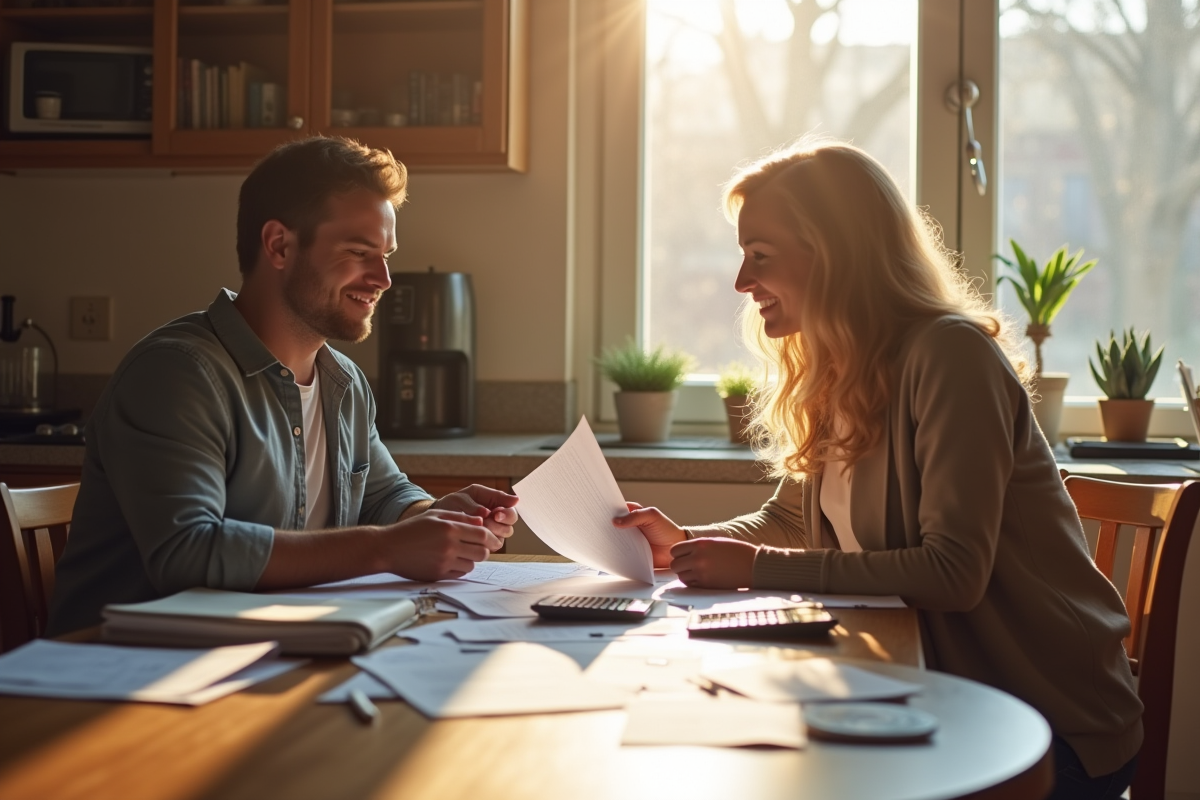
149, 674
516, 678
704, 720
570, 501
494, 603
807, 680
383, 586
524, 575
535, 630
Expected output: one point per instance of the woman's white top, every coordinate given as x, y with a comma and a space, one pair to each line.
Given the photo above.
835, 499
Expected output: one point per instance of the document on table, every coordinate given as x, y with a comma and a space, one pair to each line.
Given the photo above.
702, 599
512, 679
535, 630
490, 603
570, 501
703, 720
524, 575
807, 680
149, 674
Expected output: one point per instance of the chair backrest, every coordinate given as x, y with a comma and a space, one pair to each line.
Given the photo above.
1151, 594
33, 534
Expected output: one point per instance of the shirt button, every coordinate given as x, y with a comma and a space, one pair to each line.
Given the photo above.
296, 431
283, 372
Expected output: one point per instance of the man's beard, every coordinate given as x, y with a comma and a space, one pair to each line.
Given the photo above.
308, 299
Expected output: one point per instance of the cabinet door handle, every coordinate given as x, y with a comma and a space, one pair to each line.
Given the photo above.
295, 123
959, 99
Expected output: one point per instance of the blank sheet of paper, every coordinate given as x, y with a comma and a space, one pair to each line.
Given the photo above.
811, 679
700, 719
570, 501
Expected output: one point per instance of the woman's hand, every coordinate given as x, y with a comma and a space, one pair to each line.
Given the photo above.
716, 563
658, 529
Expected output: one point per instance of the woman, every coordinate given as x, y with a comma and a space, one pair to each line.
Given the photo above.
909, 459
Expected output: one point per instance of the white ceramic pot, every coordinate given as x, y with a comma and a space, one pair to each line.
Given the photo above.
1048, 403
644, 416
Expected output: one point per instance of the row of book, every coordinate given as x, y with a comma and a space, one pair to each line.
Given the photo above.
235, 96
436, 98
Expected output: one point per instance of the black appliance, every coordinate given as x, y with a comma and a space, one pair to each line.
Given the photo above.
427, 356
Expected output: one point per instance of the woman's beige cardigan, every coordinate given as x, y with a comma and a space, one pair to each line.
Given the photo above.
961, 511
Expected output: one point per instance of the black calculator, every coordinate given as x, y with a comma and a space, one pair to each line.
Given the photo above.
803, 622
581, 607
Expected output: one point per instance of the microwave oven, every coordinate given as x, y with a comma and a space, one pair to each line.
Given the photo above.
80, 89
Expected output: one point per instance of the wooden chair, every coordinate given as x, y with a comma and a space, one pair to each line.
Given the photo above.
1151, 595
33, 533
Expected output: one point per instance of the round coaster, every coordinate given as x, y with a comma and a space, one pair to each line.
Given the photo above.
868, 722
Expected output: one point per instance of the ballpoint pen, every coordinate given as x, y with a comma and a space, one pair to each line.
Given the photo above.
366, 711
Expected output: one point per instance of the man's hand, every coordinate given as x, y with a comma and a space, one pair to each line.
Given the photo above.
437, 545
493, 506
716, 563
658, 529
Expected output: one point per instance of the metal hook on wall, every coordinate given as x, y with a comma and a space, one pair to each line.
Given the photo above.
959, 98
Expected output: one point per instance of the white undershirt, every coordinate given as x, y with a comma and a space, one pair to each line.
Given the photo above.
835, 504
316, 475
835, 498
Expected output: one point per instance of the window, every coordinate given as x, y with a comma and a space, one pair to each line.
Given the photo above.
1100, 148
726, 82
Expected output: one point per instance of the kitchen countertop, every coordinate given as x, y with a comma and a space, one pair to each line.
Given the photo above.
516, 455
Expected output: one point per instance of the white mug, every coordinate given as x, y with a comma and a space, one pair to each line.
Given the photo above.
49, 105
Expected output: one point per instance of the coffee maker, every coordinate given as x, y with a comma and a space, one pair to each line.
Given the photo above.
427, 356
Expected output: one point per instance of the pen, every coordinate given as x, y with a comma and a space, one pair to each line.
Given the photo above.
363, 708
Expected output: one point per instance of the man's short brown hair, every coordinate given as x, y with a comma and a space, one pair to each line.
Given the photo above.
296, 180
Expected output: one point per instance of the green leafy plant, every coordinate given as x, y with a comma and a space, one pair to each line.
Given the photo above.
635, 370
1126, 370
736, 380
1043, 291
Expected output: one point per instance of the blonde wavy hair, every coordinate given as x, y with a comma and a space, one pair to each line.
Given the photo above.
879, 268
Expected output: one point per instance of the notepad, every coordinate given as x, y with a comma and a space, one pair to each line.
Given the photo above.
301, 625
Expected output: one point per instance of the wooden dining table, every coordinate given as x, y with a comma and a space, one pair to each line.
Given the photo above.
275, 741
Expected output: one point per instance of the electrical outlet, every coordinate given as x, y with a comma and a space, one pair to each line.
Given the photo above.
91, 319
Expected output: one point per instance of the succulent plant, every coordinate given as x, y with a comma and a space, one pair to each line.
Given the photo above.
1042, 292
635, 370
1126, 370
736, 380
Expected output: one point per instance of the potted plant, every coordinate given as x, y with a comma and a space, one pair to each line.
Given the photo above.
1042, 292
647, 382
1125, 374
736, 385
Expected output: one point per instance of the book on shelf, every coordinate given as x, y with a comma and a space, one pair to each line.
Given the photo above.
447, 99
227, 97
301, 625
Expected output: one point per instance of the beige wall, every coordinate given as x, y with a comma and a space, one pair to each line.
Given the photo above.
161, 246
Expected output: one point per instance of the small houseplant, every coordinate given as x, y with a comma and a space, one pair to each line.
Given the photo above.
1125, 374
736, 385
1042, 291
647, 381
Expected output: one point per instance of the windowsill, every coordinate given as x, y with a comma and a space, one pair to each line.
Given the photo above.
698, 405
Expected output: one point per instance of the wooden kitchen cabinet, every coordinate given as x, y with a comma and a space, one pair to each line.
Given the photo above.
323, 53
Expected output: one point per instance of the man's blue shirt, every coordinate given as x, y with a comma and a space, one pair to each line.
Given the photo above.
195, 455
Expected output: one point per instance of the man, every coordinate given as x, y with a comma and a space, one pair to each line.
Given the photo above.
234, 449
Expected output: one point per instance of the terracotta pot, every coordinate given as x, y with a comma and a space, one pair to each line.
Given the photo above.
1048, 391
644, 416
1126, 420
737, 409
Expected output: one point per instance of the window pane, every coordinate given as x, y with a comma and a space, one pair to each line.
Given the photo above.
1100, 148
727, 81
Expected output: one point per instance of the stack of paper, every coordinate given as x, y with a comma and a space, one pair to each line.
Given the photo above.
208, 617
103, 672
